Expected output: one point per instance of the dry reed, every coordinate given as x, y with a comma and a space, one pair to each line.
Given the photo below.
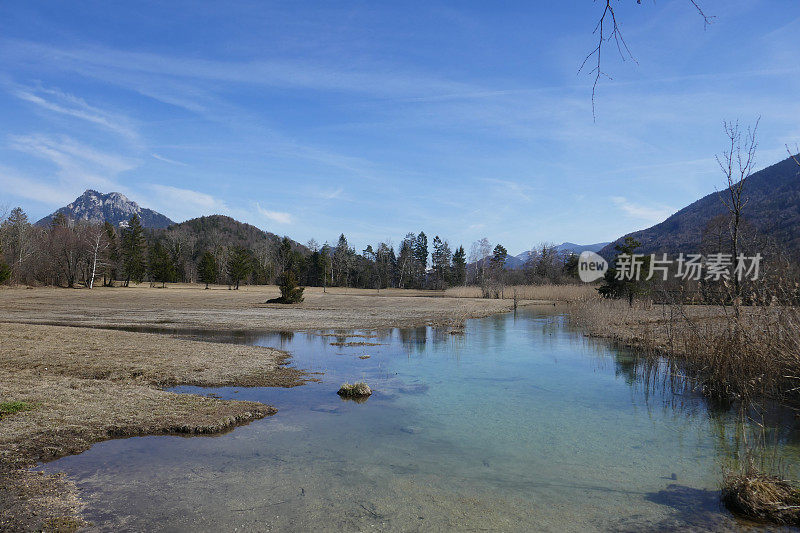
549, 293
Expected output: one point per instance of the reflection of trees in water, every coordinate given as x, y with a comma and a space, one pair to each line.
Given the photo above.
414, 337
273, 339
421, 340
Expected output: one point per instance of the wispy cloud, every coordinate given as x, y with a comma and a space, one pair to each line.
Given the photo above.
513, 188
645, 213
104, 62
32, 189
77, 166
195, 199
65, 152
66, 104
274, 216
168, 160
183, 204
334, 194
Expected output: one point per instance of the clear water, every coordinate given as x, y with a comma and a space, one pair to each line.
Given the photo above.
521, 424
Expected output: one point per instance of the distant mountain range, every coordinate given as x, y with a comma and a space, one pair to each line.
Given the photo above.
772, 209
114, 207
518, 261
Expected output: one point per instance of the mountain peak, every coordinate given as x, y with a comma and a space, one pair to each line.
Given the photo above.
115, 208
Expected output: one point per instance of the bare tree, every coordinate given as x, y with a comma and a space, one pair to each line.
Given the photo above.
265, 259
736, 164
66, 247
478, 253
96, 238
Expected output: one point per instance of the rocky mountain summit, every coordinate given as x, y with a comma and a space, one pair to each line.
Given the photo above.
116, 208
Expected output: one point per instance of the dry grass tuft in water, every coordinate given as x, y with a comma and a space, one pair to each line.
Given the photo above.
761, 497
355, 343
355, 390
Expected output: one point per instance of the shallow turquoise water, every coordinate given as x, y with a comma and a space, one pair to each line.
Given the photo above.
521, 424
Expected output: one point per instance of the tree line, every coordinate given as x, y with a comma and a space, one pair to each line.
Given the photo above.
219, 250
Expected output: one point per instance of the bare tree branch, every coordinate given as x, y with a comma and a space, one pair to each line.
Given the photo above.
604, 35
796, 155
707, 20
608, 29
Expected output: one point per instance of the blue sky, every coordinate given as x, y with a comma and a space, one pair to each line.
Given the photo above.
463, 119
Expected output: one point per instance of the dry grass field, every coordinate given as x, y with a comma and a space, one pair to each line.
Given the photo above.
191, 307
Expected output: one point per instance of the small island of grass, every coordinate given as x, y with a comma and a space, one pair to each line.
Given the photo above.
355, 390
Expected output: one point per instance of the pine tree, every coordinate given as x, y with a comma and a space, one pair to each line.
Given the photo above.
499, 256
571, 266
459, 266
290, 291
629, 288
440, 260
497, 272
421, 257
133, 251
239, 266
162, 267
342, 259
207, 269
